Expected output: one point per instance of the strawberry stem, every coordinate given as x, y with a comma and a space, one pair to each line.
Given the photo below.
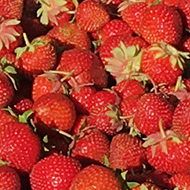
26, 40
162, 129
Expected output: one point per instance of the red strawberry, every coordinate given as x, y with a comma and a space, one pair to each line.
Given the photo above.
93, 146
95, 177
46, 83
181, 119
181, 181
56, 171
19, 147
55, 110
161, 23
151, 109
147, 186
163, 63
126, 152
11, 9
9, 179
70, 35
84, 67
187, 84
132, 14
185, 44
90, 16
36, 57
171, 2
5, 117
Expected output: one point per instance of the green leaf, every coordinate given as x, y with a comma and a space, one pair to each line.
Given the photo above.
123, 174
19, 51
46, 149
10, 69
75, 2
131, 51
9, 109
143, 187
45, 139
24, 117
44, 18
4, 61
132, 184
118, 53
12, 80
106, 161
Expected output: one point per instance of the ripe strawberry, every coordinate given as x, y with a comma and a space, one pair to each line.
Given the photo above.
132, 14
6, 90
95, 144
181, 119
95, 177
167, 153
171, 2
5, 117
19, 147
163, 63
181, 181
91, 16
55, 110
161, 23
187, 84
84, 67
147, 186
11, 34
151, 109
70, 35
36, 57
127, 88
11, 9
185, 44
126, 152
56, 171
46, 83
9, 179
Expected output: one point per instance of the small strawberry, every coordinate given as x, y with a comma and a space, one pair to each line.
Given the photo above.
19, 147
9, 179
151, 109
187, 84
163, 63
185, 44
93, 146
5, 117
70, 35
55, 110
91, 16
181, 181
161, 23
181, 119
146, 186
126, 152
95, 177
36, 57
56, 171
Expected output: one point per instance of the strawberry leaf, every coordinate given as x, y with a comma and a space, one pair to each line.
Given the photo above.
132, 184
10, 69
24, 117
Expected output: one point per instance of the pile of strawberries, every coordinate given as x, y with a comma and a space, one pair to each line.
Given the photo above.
94, 95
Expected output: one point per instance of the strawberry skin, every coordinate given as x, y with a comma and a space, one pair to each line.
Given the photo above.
9, 179
54, 172
55, 110
151, 109
161, 23
5, 117
95, 177
19, 147
181, 119
126, 152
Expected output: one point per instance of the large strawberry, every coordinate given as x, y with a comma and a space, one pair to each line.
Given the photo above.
36, 57
151, 109
54, 172
126, 152
70, 35
161, 23
9, 179
19, 146
55, 110
95, 177
181, 119
163, 63
5, 117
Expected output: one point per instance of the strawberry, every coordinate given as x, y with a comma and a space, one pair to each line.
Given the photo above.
132, 14
161, 23
152, 108
5, 117
95, 144
9, 179
90, 16
55, 110
163, 63
19, 147
11, 9
83, 66
181, 181
70, 35
181, 120
146, 186
185, 44
171, 2
95, 177
46, 83
187, 84
36, 57
126, 152
56, 171
163, 149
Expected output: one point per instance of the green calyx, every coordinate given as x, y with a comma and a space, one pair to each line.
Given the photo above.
179, 84
165, 50
25, 116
